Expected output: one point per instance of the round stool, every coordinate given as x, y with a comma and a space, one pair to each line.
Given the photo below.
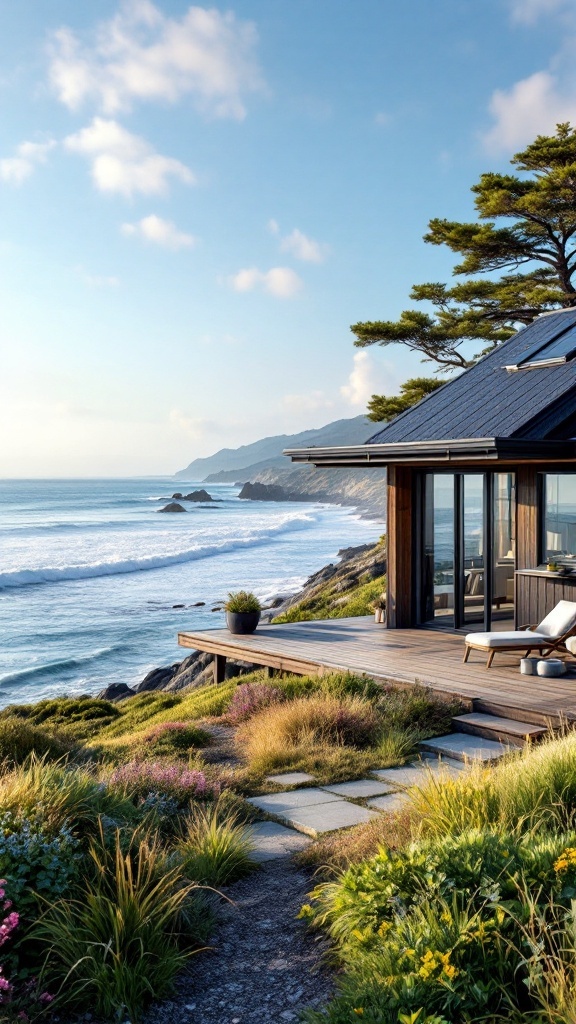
550, 667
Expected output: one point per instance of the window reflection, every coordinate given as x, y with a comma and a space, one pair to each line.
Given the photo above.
560, 516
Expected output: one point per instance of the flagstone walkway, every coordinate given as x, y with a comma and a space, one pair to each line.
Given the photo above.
314, 810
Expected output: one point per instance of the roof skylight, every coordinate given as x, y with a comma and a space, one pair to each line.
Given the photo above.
553, 351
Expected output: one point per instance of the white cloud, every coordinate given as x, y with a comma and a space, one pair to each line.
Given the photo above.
123, 162
382, 118
368, 378
161, 232
15, 169
282, 282
304, 248
532, 106
527, 12
141, 54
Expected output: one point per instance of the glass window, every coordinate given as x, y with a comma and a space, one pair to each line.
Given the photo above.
559, 516
504, 545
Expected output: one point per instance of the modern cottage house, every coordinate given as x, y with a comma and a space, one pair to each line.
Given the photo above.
481, 480
482, 487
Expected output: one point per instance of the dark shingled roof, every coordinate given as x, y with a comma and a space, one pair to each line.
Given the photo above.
489, 401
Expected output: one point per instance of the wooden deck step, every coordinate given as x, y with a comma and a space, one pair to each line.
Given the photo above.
549, 719
463, 747
505, 730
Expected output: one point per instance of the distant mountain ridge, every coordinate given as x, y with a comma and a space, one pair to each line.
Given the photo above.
232, 464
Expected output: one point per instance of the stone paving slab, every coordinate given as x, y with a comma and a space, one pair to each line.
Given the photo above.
418, 774
275, 803
358, 789
465, 747
447, 765
272, 841
392, 802
327, 817
290, 778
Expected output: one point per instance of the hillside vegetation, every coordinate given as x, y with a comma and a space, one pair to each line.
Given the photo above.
338, 591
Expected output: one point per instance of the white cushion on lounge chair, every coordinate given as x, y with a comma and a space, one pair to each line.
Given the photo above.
559, 620
571, 644
514, 638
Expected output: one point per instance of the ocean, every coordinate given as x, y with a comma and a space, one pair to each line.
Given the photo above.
91, 574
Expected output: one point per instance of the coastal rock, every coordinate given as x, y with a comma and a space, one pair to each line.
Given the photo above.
116, 691
194, 671
173, 506
157, 679
200, 495
177, 495
262, 492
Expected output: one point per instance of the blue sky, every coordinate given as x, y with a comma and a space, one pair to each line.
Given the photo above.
198, 201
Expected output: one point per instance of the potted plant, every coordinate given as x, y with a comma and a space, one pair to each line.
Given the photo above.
242, 612
552, 565
379, 606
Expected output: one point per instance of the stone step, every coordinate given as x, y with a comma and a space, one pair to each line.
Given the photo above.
464, 747
493, 727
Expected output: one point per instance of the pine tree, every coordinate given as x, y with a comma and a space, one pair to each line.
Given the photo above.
527, 228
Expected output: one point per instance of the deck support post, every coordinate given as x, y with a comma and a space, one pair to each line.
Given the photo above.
271, 672
219, 668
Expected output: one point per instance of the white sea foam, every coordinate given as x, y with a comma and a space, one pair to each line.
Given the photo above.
86, 571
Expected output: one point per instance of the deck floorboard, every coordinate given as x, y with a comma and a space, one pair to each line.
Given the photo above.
430, 657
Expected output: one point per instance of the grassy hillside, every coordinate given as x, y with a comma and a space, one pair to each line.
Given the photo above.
339, 591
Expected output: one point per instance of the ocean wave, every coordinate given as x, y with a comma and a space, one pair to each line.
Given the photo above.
57, 574
52, 668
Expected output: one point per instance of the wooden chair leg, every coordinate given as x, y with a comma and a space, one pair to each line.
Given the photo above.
466, 654
490, 658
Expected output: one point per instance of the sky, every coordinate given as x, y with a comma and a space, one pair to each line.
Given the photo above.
197, 201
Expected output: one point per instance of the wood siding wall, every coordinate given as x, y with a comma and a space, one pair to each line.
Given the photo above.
527, 525
399, 547
537, 595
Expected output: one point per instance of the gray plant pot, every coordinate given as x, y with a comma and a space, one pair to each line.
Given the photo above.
242, 622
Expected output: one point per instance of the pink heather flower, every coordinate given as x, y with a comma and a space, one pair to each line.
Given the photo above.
46, 997
140, 777
5, 985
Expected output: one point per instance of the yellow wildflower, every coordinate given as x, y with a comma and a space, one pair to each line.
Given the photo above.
359, 1011
566, 860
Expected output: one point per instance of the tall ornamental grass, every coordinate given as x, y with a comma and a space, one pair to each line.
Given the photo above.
62, 795
116, 946
215, 847
535, 787
289, 731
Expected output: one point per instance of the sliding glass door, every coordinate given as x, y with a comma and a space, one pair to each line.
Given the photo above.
467, 549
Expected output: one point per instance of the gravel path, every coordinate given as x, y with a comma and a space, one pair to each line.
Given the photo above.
264, 968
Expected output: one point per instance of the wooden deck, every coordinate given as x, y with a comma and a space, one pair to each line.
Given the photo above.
430, 657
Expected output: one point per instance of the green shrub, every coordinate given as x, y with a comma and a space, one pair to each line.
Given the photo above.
140, 710
215, 848
116, 946
169, 739
19, 739
418, 707
439, 926
36, 860
77, 717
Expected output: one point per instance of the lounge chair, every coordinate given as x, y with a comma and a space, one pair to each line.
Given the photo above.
549, 635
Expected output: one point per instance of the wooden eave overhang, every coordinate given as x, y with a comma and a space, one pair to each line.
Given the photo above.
462, 450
